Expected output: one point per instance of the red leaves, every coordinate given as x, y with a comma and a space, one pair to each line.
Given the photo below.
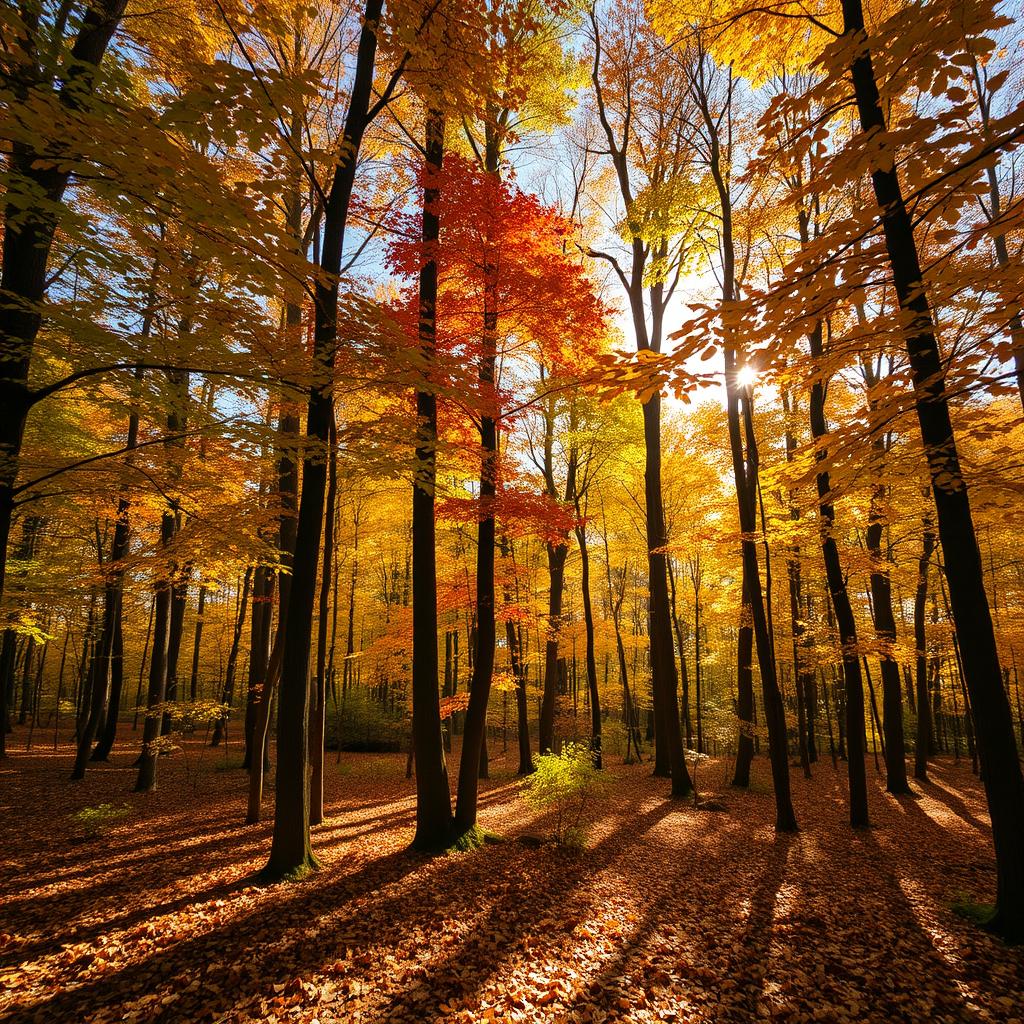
521, 514
495, 236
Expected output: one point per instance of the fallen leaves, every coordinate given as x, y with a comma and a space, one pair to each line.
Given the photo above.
664, 918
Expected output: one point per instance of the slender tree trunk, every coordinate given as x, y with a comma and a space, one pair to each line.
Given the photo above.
924, 742
318, 718
146, 780
745, 690
774, 710
885, 629
684, 675
228, 693
1000, 762
841, 605
512, 639
473, 762
663, 663
433, 797
291, 854
193, 682
556, 574
803, 673
142, 670
588, 621
112, 599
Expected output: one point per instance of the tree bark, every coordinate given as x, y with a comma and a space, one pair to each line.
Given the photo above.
228, 693
290, 854
588, 622
1000, 762
433, 797
29, 227
924, 741
318, 718
840, 597
774, 710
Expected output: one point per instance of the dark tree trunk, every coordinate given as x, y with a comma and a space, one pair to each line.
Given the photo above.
36, 187
588, 621
923, 742
556, 575
318, 717
193, 681
290, 853
473, 762
259, 651
1000, 762
108, 733
885, 628
227, 696
433, 797
774, 710
515, 654
802, 674
112, 601
663, 662
684, 675
840, 597
745, 690
179, 599
146, 780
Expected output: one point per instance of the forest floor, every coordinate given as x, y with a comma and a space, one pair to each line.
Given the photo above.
671, 914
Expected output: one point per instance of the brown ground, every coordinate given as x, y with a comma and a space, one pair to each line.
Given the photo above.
672, 914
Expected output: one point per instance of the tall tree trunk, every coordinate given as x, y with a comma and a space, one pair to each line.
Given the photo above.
146, 780
36, 187
803, 676
1000, 762
924, 742
774, 710
885, 629
260, 626
290, 853
113, 593
193, 681
556, 575
512, 639
840, 597
228, 693
473, 762
745, 689
588, 622
663, 662
803, 672
179, 600
319, 711
433, 797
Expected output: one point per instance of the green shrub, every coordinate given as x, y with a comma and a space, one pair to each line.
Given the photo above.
95, 821
363, 724
569, 784
971, 910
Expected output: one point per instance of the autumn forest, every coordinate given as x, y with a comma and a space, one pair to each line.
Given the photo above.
509, 511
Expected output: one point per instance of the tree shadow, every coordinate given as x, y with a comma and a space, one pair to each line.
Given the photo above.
519, 921
957, 805
280, 921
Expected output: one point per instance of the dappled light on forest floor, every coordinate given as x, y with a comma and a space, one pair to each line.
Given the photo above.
670, 913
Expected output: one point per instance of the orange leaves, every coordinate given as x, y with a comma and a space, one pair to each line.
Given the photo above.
521, 513
732, 926
503, 245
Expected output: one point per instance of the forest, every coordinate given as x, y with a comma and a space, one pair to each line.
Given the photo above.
509, 511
